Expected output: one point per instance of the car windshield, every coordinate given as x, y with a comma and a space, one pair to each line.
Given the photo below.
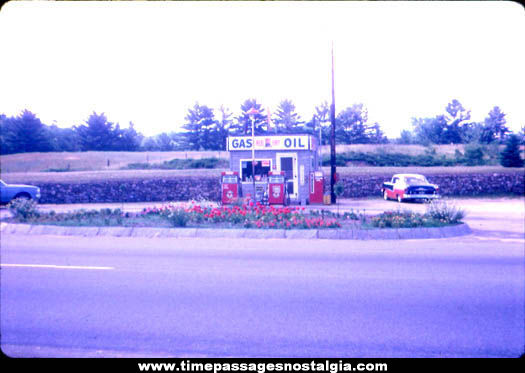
416, 180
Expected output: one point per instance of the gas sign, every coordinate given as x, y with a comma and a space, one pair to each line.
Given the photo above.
287, 142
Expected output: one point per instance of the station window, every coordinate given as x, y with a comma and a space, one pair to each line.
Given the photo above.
261, 167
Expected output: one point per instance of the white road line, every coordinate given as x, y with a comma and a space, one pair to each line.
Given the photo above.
519, 240
54, 266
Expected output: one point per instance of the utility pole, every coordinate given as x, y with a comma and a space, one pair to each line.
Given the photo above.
319, 156
252, 113
332, 137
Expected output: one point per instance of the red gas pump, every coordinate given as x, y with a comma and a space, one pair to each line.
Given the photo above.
231, 188
276, 188
316, 187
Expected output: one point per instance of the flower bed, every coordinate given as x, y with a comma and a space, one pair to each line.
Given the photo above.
249, 215
246, 215
438, 214
403, 219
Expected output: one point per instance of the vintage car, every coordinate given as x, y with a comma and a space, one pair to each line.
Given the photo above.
404, 187
9, 192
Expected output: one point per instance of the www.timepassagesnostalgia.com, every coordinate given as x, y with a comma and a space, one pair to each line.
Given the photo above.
313, 366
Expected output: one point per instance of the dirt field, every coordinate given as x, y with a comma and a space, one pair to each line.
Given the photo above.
92, 161
105, 175
98, 161
91, 166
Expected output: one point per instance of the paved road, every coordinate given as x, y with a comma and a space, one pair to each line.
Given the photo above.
65, 296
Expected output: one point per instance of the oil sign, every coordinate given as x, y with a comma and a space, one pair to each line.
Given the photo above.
288, 142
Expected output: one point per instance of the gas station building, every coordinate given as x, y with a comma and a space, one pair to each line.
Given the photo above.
295, 156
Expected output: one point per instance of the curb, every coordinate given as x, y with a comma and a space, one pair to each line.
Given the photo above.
332, 234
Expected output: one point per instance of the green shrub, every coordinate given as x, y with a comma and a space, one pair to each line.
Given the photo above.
59, 169
178, 217
353, 215
445, 212
438, 213
339, 188
386, 159
510, 156
492, 152
474, 155
138, 166
23, 209
400, 219
180, 164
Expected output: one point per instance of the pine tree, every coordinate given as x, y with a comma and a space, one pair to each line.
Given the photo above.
352, 125
27, 134
199, 126
243, 124
286, 119
6, 126
494, 128
510, 156
129, 139
222, 129
97, 133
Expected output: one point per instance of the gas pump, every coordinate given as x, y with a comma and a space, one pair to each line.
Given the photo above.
230, 186
316, 187
276, 188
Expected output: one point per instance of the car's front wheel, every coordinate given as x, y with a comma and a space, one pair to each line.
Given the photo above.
22, 197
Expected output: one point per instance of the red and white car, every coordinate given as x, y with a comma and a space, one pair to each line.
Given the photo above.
404, 187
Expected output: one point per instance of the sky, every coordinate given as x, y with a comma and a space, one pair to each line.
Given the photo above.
149, 62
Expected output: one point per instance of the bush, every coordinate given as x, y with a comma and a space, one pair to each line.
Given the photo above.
180, 164
474, 155
385, 159
339, 188
510, 156
178, 217
445, 212
438, 213
400, 219
59, 169
23, 209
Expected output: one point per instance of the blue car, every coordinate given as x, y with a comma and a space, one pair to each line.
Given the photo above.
9, 192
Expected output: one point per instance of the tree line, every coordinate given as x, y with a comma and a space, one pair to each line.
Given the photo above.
207, 129
455, 126
26, 133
